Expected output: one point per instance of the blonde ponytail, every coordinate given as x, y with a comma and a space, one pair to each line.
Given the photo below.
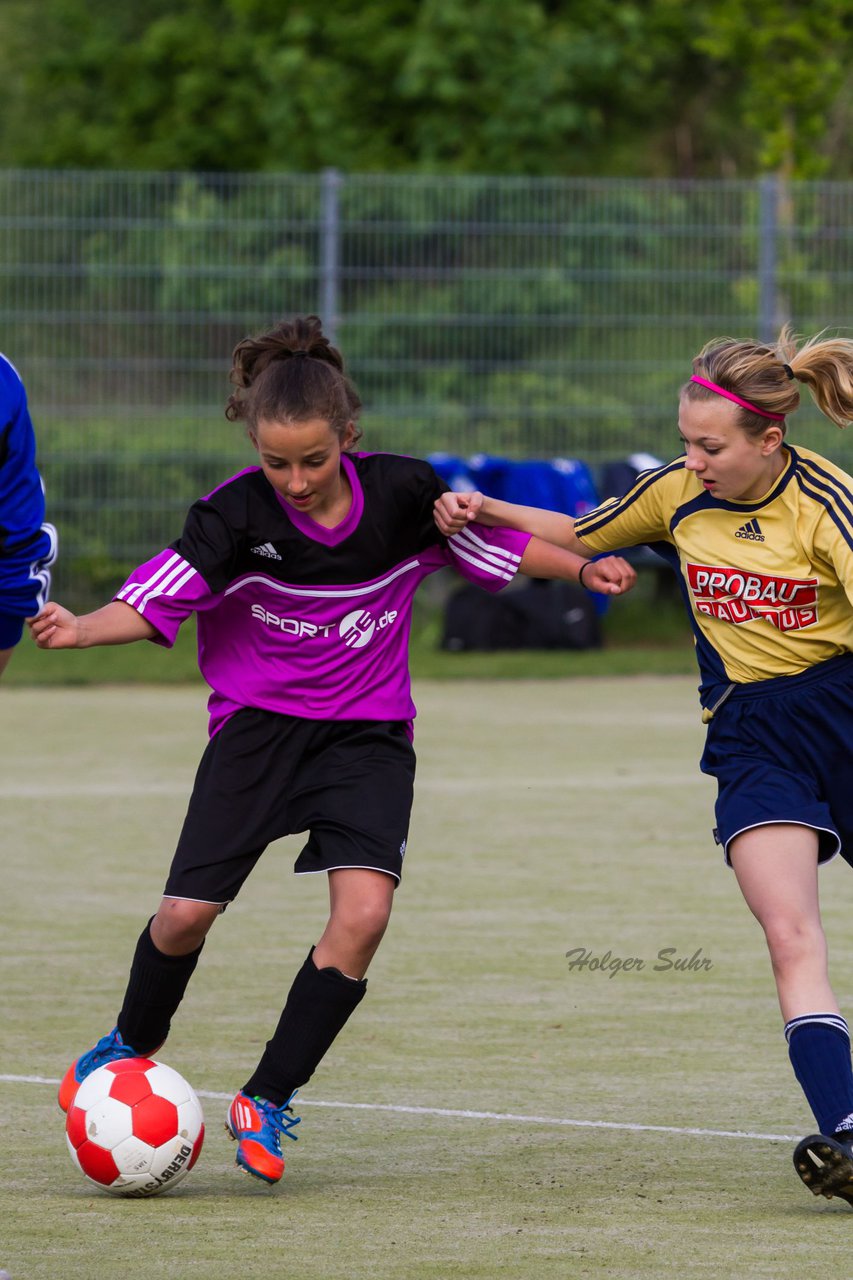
767, 376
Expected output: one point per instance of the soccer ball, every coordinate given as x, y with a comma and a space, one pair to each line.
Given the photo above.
135, 1127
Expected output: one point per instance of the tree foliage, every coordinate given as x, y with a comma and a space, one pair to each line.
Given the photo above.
568, 87
795, 80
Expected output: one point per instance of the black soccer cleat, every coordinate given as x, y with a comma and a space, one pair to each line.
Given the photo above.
826, 1166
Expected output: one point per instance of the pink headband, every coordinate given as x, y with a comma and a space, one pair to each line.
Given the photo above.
744, 404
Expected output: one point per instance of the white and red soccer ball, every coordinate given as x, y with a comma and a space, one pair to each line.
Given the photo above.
135, 1127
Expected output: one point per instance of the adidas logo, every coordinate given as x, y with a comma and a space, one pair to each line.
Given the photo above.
268, 550
751, 531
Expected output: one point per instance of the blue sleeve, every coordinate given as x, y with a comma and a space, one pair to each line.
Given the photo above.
21, 492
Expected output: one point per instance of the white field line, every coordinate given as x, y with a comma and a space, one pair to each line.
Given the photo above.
501, 1117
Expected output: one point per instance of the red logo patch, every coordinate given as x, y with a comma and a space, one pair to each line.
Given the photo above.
737, 595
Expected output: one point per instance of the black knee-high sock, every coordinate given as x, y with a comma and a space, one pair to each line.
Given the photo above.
317, 1007
155, 988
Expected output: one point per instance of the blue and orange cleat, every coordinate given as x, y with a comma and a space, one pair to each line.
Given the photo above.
108, 1049
257, 1126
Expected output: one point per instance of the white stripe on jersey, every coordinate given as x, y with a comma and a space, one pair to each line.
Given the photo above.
469, 547
489, 548
322, 593
173, 590
506, 574
132, 590
168, 579
40, 569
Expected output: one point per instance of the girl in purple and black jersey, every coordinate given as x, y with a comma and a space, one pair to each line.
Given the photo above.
301, 571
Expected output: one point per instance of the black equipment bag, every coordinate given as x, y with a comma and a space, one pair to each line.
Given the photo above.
542, 614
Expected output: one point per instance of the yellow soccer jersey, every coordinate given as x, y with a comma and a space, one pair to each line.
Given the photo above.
769, 583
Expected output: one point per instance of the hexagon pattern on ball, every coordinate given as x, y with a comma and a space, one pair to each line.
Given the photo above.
135, 1127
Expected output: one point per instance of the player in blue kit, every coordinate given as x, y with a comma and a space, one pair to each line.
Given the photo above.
760, 535
27, 543
302, 571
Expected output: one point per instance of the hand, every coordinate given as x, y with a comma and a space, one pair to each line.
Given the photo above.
611, 576
55, 628
452, 511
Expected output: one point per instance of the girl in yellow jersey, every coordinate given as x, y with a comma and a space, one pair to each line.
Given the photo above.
760, 534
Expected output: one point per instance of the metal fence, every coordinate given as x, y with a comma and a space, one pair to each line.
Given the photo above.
518, 317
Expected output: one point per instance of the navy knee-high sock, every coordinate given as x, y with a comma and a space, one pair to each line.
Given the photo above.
155, 988
317, 1007
819, 1049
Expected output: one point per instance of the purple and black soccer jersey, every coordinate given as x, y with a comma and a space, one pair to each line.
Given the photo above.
304, 620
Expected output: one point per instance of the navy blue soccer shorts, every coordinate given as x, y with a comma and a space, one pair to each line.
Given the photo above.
782, 751
348, 783
24, 583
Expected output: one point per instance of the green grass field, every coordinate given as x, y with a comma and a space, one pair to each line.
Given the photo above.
489, 1111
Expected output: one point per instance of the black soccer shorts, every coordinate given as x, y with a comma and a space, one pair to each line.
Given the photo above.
264, 775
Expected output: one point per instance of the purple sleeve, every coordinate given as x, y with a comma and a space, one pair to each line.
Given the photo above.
165, 591
489, 557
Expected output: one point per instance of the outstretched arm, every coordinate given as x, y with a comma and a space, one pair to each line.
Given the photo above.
453, 511
612, 576
116, 623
